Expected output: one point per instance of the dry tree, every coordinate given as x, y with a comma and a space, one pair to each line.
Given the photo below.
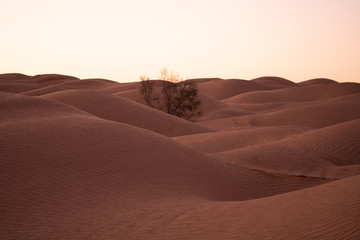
147, 89
177, 96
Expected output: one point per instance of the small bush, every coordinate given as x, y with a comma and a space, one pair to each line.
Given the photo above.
176, 96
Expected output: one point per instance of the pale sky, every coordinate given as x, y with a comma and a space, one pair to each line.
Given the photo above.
121, 40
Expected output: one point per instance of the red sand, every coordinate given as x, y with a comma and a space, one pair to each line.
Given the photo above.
268, 159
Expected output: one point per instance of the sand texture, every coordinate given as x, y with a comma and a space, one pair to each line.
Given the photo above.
267, 159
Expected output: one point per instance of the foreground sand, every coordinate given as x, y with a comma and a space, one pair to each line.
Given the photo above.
268, 159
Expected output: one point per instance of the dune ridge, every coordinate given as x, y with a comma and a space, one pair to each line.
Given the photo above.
268, 159
298, 94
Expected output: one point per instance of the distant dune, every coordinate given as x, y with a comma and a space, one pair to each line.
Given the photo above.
317, 81
268, 159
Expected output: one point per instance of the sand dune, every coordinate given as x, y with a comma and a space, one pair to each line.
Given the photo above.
265, 107
315, 153
51, 78
268, 159
16, 83
314, 114
17, 87
210, 108
228, 88
132, 94
314, 213
48, 83
16, 107
125, 87
14, 78
337, 143
204, 80
274, 82
221, 141
298, 94
89, 84
107, 106
221, 89
66, 84
287, 150
317, 81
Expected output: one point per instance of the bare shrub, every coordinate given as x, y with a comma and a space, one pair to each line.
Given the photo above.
147, 89
177, 96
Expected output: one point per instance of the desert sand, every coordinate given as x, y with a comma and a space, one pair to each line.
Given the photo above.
267, 159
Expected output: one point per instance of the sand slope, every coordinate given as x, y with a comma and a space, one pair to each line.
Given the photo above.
274, 82
314, 213
305, 154
221, 141
105, 105
316, 81
228, 88
268, 159
298, 94
314, 114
